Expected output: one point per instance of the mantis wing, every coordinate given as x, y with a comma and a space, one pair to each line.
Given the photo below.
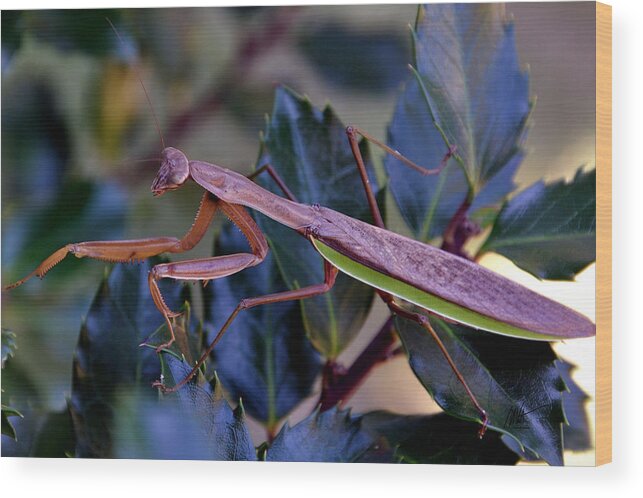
443, 283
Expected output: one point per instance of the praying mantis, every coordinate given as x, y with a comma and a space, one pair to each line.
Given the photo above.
403, 271
406, 274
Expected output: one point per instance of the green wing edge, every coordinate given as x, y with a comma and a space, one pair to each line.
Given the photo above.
423, 299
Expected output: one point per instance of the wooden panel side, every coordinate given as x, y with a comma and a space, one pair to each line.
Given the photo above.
604, 234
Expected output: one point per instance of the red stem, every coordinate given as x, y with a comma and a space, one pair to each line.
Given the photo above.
338, 385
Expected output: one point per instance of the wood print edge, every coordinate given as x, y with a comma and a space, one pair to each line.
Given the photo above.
603, 429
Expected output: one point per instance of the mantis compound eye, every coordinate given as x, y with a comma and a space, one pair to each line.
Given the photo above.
174, 171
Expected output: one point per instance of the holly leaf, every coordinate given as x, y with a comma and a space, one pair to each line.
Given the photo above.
309, 149
576, 432
265, 357
8, 350
194, 423
330, 436
108, 361
549, 230
438, 439
469, 92
516, 381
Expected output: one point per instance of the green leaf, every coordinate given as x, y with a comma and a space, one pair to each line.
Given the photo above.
471, 93
309, 150
438, 439
517, 382
576, 431
265, 357
330, 436
108, 360
8, 345
195, 423
549, 230
467, 59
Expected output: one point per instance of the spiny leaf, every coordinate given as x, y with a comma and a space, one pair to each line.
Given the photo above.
479, 97
8, 350
265, 357
469, 92
330, 436
309, 148
108, 359
194, 423
576, 431
549, 230
516, 382
438, 439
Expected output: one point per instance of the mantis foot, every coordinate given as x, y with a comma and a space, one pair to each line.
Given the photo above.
165, 345
485, 424
160, 385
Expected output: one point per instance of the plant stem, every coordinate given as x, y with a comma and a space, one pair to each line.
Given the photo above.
459, 230
339, 384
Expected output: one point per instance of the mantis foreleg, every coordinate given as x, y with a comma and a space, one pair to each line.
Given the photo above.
125, 251
210, 268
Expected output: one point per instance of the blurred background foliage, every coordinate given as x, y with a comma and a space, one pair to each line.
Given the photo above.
76, 123
76, 127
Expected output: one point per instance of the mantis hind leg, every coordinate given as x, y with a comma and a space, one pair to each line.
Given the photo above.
423, 321
197, 269
420, 319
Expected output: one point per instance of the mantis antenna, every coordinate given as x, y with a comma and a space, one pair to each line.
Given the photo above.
140, 80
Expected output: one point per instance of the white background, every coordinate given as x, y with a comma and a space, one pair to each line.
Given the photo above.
53, 478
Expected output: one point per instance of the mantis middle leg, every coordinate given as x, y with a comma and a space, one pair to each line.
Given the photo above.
330, 274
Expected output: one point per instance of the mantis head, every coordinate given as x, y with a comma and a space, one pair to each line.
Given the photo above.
174, 171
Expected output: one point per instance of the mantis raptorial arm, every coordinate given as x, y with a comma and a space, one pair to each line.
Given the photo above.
209, 268
125, 251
